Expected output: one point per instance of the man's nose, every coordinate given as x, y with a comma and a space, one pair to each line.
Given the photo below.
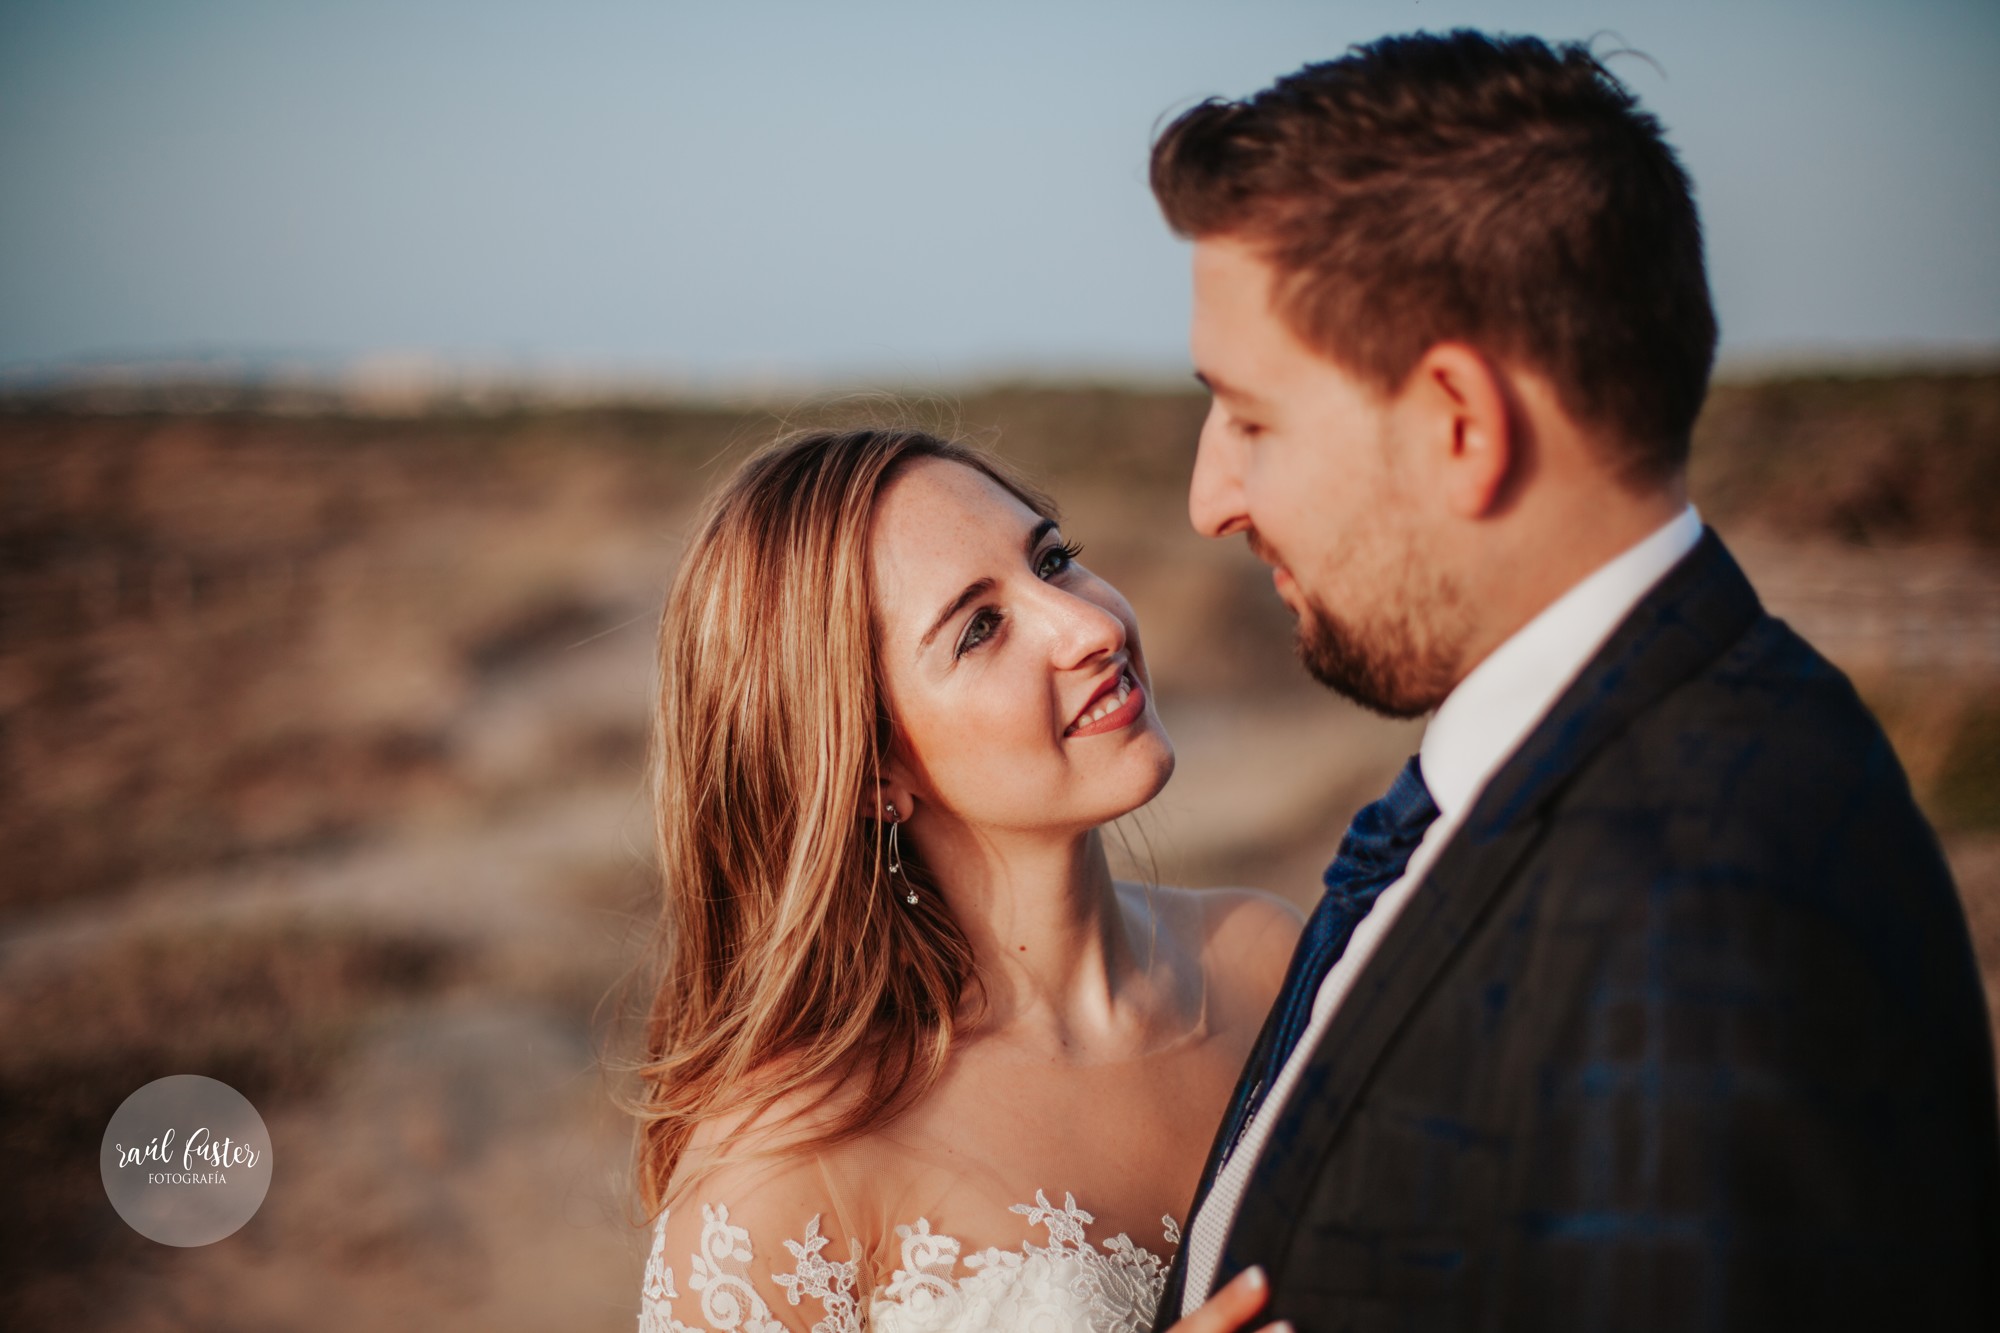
1215, 491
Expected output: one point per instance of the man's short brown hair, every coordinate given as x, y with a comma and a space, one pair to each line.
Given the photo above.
1493, 190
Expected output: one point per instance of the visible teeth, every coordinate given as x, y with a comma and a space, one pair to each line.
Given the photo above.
1112, 703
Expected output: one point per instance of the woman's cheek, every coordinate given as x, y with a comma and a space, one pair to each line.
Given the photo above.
989, 758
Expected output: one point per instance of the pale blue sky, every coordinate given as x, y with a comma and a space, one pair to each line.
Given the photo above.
868, 191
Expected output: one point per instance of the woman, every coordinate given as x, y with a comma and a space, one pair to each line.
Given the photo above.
916, 1060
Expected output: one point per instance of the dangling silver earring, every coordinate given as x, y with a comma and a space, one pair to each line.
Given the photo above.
896, 857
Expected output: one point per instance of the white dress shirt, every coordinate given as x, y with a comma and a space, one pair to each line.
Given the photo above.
1481, 723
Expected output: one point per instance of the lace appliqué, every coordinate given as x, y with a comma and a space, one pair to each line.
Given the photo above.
1067, 1284
729, 1301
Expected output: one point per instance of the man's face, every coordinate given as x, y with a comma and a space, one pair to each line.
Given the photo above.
1318, 471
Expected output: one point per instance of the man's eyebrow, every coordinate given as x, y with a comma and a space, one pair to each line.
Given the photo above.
980, 587
1221, 388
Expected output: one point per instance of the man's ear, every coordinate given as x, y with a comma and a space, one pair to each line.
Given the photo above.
1462, 400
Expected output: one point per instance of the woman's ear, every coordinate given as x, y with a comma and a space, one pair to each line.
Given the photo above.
892, 788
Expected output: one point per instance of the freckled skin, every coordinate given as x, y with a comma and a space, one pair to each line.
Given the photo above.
982, 707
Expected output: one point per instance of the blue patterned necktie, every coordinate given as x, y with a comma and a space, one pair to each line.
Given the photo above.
1372, 856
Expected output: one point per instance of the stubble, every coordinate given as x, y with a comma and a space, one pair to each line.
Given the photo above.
1403, 662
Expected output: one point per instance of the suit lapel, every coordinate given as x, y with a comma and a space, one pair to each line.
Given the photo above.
1703, 605
1225, 1138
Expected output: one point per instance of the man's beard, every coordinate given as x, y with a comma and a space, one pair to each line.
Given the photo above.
1398, 668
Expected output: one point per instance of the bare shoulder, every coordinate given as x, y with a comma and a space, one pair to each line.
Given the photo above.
1242, 939
750, 1208
764, 1148
1250, 936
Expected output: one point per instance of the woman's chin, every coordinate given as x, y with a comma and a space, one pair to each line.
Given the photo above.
1166, 767
1110, 799
1152, 779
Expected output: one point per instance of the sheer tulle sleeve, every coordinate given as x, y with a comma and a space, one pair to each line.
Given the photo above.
753, 1248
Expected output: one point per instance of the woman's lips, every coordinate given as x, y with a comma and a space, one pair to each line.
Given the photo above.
1124, 704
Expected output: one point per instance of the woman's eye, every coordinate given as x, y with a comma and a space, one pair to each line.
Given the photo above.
986, 621
977, 631
1056, 559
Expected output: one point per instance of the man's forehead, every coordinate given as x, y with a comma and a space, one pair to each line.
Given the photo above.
1232, 307
1229, 270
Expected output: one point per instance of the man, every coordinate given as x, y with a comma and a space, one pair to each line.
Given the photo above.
1644, 998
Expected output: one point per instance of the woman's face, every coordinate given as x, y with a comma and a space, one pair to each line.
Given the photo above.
1014, 674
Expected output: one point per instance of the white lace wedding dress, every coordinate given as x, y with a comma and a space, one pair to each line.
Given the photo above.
1017, 1196
1065, 1284
936, 1223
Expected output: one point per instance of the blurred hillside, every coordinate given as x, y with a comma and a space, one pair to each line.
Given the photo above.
321, 750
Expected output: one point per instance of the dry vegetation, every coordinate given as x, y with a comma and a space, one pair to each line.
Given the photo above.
321, 738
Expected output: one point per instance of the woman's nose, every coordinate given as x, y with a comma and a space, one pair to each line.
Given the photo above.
1084, 628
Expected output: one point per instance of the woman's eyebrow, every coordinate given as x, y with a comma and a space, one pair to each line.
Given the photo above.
980, 587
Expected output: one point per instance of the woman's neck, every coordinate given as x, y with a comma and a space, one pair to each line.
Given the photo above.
1059, 970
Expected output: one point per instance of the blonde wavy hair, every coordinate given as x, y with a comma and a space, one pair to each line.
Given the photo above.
789, 964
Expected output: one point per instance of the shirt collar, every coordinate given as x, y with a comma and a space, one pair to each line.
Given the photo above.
1494, 708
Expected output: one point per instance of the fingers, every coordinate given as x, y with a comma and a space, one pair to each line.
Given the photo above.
1232, 1307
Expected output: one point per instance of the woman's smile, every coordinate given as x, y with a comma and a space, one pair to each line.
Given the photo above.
1004, 654
1119, 703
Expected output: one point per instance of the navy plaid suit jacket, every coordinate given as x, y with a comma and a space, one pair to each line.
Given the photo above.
1682, 1030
